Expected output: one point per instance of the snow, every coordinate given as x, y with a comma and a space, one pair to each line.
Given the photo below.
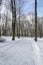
23, 51
36, 51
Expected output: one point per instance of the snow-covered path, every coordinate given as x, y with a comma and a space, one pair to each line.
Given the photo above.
40, 45
23, 51
37, 54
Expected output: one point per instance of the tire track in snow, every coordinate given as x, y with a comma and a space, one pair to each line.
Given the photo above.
6, 45
36, 51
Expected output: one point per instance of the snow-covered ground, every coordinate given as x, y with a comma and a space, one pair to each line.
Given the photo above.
23, 51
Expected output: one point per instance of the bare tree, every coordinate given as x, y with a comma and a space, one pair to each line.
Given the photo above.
0, 26
0, 17
35, 20
20, 5
0, 32
40, 28
13, 5
0, 2
6, 21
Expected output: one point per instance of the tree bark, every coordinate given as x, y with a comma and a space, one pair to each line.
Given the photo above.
13, 18
35, 20
0, 32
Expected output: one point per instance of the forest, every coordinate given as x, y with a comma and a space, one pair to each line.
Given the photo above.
21, 32
14, 21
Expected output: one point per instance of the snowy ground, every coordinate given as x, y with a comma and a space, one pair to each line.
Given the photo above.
23, 51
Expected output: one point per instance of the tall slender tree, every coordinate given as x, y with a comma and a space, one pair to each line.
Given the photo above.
0, 15
20, 7
19, 18
13, 5
35, 20
0, 2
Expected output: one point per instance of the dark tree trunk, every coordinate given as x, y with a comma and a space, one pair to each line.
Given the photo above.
19, 19
41, 31
19, 24
0, 2
13, 18
17, 29
0, 32
35, 20
6, 27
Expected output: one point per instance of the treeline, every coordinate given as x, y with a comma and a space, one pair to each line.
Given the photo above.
18, 27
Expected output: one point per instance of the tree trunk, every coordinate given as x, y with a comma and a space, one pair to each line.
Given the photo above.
19, 20
35, 20
19, 24
0, 32
6, 27
13, 18
41, 31
0, 2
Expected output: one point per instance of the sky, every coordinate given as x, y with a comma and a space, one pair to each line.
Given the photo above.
29, 7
